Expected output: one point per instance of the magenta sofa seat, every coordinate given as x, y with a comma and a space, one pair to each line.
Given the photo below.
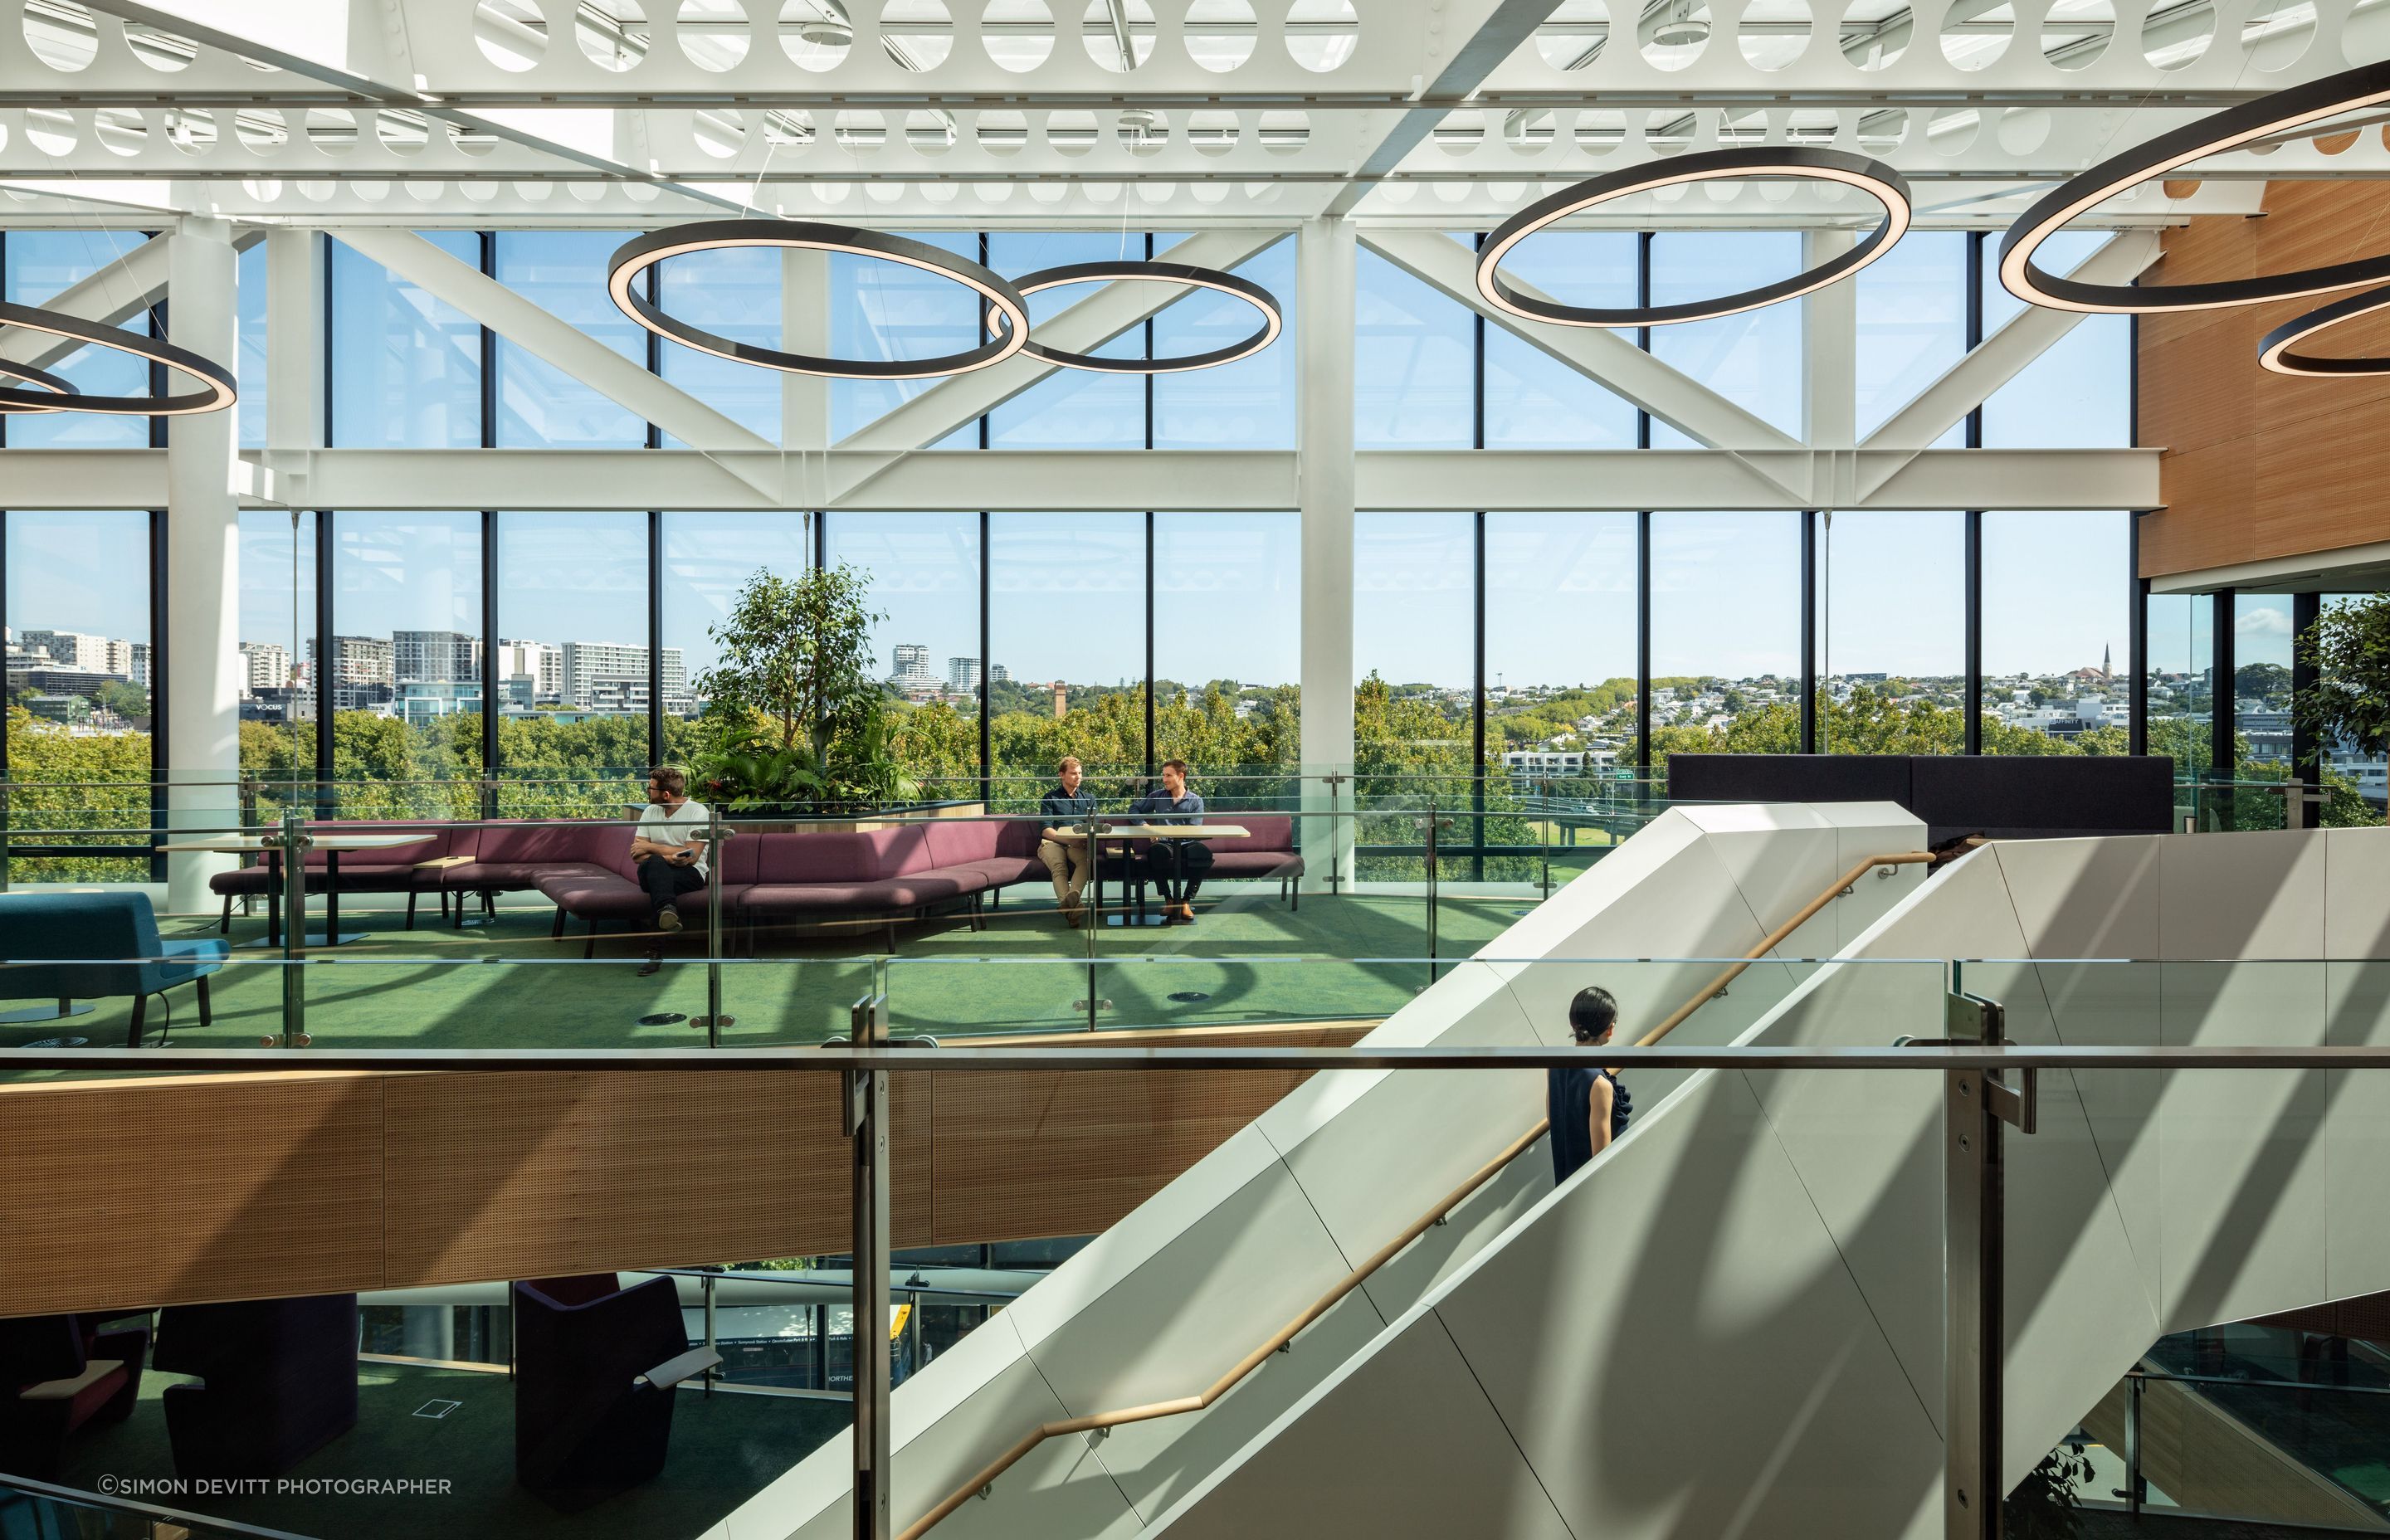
1266, 849
514, 856
390, 869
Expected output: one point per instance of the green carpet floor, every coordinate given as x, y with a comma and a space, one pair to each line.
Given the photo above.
724, 1449
1250, 958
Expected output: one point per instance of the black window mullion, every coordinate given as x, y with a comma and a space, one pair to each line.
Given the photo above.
324, 679
2307, 748
1809, 519
1477, 666
160, 759
1972, 693
1644, 340
653, 278
2136, 645
986, 763
1148, 642
490, 765
655, 635
1974, 329
489, 244
2223, 764
1643, 636
327, 254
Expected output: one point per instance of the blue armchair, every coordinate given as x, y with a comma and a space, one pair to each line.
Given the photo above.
54, 932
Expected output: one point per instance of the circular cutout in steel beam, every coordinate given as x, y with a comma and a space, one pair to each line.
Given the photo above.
220, 391
1009, 312
1273, 318
2300, 105
1796, 162
2274, 352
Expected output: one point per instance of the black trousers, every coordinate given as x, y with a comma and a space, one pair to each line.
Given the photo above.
666, 882
1177, 867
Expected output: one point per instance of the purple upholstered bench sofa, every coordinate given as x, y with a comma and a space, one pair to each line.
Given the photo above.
892, 874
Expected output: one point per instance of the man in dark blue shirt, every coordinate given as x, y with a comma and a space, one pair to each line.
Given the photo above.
1066, 860
1175, 866
1587, 1107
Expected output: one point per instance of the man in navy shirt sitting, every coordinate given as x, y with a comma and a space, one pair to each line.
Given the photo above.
1175, 866
1065, 807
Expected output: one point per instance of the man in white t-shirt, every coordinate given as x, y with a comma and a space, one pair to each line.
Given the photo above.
669, 846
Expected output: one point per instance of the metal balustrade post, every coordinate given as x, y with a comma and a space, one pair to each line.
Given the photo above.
867, 1127
294, 843
1430, 890
1974, 1105
2136, 1492
713, 930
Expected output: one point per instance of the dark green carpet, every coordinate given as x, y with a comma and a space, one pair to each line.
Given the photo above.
1249, 958
724, 1449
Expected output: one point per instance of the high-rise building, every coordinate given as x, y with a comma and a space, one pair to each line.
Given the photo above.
613, 676
436, 657
265, 666
962, 674
541, 663
361, 675
910, 658
74, 649
998, 675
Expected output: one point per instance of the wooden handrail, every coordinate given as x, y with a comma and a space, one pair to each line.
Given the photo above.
1098, 1421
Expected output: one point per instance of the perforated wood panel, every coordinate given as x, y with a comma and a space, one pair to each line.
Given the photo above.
152, 1191
2259, 465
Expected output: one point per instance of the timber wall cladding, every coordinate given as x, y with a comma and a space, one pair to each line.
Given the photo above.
2259, 465
138, 1192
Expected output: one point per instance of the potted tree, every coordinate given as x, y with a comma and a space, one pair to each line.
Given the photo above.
796, 724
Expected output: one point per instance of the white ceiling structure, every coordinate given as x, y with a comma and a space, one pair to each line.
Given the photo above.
1176, 113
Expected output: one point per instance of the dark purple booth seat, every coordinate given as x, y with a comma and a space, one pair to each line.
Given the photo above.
1267, 852
390, 869
889, 874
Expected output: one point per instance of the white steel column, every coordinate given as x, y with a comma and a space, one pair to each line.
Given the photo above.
201, 688
805, 327
294, 356
1831, 319
1324, 283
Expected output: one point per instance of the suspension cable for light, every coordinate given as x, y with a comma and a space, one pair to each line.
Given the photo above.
2235, 126
1273, 319
218, 395
56, 386
1796, 162
2274, 353
1009, 313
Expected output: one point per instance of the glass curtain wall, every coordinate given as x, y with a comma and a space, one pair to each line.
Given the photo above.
276, 630
1725, 632
403, 675
1892, 634
2181, 669
2261, 687
707, 560
2057, 607
2356, 782
78, 610
541, 406
1414, 653
1066, 623
572, 671
922, 575
1227, 651
36, 266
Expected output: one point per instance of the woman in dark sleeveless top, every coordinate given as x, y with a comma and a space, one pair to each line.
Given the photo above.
1588, 1106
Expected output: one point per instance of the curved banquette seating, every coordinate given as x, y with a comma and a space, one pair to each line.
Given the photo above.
886, 874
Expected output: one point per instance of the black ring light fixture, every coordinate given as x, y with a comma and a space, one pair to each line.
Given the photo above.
1004, 302
2235, 126
2274, 353
1796, 162
55, 385
1261, 298
218, 395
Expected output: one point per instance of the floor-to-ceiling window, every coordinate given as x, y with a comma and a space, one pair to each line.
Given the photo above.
406, 367
2077, 394
1071, 408
922, 572
1891, 642
1534, 400
708, 559
733, 292
2057, 608
1414, 656
402, 674
1414, 363
1754, 359
1248, 405
1725, 632
1227, 649
1066, 625
275, 634
572, 668
80, 675
2181, 664
1911, 306
2355, 780
540, 406
36, 266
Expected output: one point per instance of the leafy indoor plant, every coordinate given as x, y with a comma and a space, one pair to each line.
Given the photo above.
796, 722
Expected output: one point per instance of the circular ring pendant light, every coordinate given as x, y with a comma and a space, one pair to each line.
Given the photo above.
2214, 134
1273, 319
2274, 353
55, 385
218, 394
1870, 177
1010, 314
